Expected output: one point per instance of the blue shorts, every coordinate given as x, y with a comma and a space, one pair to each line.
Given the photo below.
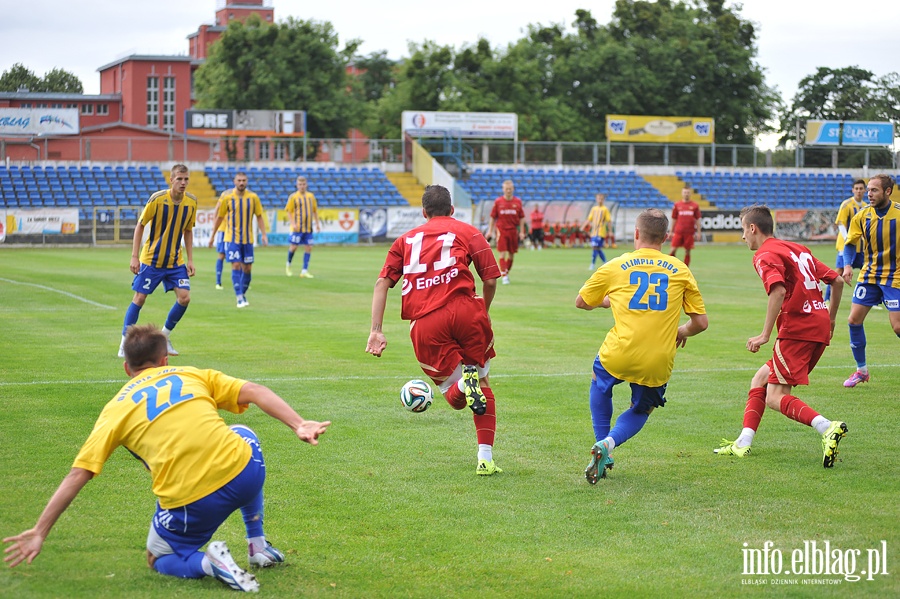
149, 278
188, 528
301, 238
641, 395
857, 261
239, 252
597, 242
220, 242
869, 294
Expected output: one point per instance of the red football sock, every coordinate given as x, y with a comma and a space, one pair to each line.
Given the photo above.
756, 405
455, 397
503, 266
795, 409
687, 260
486, 424
509, 264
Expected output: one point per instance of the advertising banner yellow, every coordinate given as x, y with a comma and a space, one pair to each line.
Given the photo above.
660, 129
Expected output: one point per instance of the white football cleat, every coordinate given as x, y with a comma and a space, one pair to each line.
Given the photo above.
226, 570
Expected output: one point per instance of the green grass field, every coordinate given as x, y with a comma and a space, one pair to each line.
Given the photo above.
388, 505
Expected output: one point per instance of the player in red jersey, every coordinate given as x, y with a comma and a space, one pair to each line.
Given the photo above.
449, 324
790, 275
685, 224
537, 229
508, 221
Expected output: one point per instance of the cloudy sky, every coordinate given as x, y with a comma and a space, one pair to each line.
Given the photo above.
794, 36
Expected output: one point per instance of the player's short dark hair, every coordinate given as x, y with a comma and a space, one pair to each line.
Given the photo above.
759, 215
436, 201
180, 168
144, 345
886, 181
240, 174
859, 182
653, 225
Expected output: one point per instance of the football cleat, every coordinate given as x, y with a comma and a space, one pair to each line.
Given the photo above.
486, 468
242, 303
857, 378
219, 287
172, 351
265, 558
288, 271
304, 274
505, 279
830, 441
599, 456
474, 396
730, 448
226, 570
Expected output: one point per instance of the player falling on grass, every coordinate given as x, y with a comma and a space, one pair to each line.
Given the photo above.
790, 275
449, 324
303, 211
236, 208
877, 226
201, 469
647, 292
171, 214
508, 223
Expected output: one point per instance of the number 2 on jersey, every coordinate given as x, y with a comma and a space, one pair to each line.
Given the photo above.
415, 253
646, 299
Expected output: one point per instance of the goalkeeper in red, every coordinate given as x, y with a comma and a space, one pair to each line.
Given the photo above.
449, 324
790, 275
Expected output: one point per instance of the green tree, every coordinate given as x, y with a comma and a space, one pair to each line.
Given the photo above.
293, 65
19, 77
58, 80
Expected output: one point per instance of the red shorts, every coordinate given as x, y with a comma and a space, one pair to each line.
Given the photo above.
459, 332
793, 360
508, 241
683, 240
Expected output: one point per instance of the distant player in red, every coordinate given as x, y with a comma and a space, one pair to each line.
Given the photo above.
449, 324
685, 224
508, 222
790, 275
537, 229
549, 235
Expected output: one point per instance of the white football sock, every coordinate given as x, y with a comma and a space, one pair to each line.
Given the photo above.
485, 452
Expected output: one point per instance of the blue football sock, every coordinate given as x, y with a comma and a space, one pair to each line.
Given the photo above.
172, 565
627, 425
131, 316
253, 516
236, 281
245, 282
601, 412
858, 344
219, 264
306, 257
290, 257
602, 255
175, 315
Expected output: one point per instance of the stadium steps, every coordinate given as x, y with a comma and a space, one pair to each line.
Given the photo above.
670, 186
408, 187
201, 187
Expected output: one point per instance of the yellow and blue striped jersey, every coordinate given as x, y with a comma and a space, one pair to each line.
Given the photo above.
168, 221
302, 209
238, 213
880, 237
846, 212
599, 218
168, 418
647, 292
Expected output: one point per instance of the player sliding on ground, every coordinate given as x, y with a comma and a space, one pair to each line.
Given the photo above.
202, 470
790, 275
449, 324
647, 291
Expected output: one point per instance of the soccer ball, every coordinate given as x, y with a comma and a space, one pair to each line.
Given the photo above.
416, 395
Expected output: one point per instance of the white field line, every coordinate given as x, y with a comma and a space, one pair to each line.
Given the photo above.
523, 375
66, 293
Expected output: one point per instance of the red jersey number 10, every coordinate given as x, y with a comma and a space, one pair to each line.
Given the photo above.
415, 253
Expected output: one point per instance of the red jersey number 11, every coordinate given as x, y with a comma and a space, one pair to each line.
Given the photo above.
415, 252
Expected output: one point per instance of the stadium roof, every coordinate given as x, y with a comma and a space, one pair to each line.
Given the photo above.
146, 57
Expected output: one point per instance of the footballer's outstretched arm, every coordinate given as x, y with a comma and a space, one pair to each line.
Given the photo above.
696, 325
377, 342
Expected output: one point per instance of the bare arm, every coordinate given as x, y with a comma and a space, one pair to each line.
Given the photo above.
261, 222
523, 226
837, 289
583, 305
135, 265
377, 342
215, 229
488, 290
270, 403
696, 325
490, 231
189, 251
27, 545
773, 308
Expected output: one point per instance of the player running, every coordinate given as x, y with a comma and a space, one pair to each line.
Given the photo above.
449, 324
